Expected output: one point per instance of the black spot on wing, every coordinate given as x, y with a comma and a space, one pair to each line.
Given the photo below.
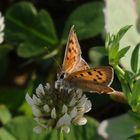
70, 50
95, 80
82, 74
71, 41
89, 73
98, 77
74, 58
100, 73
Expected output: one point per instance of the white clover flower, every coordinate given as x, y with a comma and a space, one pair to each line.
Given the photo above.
2, 26
57, 107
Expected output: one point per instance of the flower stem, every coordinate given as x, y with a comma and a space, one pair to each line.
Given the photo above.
120, 71
60, 135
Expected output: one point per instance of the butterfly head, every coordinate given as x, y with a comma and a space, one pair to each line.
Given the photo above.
60, 79
61, 75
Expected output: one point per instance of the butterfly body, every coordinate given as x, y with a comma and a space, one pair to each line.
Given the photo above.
77, 73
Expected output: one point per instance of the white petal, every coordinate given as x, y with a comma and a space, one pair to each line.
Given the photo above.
81, 109
72, 102
2, 26
82, 101
47, 87
70, 90
81, 121
57, 84
29, 100
46, 108
37, 119
64, 109
36, 111
53, 113
40, 90
66, 129
1, 37
36, 100
38, 129
102, 129
73, 113
88, 106
79, 93
40, 120
1, 20
39, 94
61, 88
64, 120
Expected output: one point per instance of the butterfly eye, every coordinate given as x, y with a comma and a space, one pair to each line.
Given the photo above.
62, 76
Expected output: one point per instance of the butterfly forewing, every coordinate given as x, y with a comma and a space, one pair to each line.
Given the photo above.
72, 53
101, 75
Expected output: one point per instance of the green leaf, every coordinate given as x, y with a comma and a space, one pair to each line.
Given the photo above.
3, 66
26, 109
134, 137
122, 52
5, 135
128, 76
116, 20
107, 41
135, 58
5, 49
135, 99
113, 44
123, 31
5, 115
88, 23
21, 128
118, 128
138, 74
97, 54
135, 116
126, 89
9, 96
115, 40
29, 30
113, 53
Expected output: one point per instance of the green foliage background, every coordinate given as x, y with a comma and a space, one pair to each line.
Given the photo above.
35, 38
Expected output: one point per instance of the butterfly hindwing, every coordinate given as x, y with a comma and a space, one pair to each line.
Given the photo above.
100, 75
81, 65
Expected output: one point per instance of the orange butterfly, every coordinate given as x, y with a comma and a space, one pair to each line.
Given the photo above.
76, 72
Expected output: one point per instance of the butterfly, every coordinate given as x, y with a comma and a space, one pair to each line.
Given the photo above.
76, 72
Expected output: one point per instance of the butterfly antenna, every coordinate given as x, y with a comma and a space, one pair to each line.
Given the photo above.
47, 50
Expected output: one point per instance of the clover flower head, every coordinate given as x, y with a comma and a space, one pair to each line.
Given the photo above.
2, 26
58, 107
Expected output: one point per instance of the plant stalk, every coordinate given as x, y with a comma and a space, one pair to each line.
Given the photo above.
60, 135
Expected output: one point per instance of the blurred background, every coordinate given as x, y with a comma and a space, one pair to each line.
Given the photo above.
35, 36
